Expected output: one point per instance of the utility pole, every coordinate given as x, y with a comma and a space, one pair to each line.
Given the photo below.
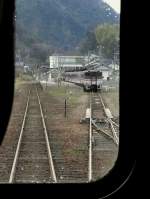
46, 80
100, 55
88, 59
59, 71
65, 101
114, 58
67, 98
65, 107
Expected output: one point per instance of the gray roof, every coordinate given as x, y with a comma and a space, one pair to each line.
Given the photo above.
103, 68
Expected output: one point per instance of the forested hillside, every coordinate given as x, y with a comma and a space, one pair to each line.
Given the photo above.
47, 26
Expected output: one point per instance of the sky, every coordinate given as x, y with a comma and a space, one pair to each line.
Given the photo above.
115, 4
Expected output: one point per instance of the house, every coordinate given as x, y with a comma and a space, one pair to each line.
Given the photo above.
27, 69
106, 72
19, 64
114, 66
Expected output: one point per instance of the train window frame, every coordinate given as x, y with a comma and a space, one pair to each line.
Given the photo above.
121, 171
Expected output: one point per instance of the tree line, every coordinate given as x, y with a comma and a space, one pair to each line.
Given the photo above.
104, 37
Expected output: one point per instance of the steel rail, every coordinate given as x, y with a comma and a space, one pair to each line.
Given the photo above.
99, 129
115, 137
13, 169
52, 169
114, 123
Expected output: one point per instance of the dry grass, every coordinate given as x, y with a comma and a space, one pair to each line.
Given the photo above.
111, 100
22, 79
72, 94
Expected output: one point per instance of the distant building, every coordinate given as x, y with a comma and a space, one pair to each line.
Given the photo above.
65, 63
106, 72
114, 66
68, 63
26, 69
19, 64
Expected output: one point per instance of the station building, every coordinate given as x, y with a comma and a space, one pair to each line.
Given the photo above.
106, 72
75, 63
66, 63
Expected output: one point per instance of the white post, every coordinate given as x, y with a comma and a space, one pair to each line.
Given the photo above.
50, 76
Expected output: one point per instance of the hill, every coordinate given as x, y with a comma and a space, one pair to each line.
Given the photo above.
58, 25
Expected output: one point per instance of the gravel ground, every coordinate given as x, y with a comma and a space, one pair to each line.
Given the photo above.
65, 133
8, 147
68, 138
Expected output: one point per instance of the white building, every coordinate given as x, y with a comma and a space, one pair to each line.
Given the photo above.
68, 62
19, 63
26, 68
114, 66
106, 72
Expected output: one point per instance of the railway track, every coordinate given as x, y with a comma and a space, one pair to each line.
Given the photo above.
104, 124
70, 168
33, 160
67, 172
103, 139
46, 153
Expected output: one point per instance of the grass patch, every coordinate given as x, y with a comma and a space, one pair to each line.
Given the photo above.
57, 91
74, 152
111, 99
72, 94
22, 78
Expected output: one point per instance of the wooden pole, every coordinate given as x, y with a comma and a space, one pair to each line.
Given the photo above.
65, 108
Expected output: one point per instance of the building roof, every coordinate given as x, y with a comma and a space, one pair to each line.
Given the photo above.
102, 68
